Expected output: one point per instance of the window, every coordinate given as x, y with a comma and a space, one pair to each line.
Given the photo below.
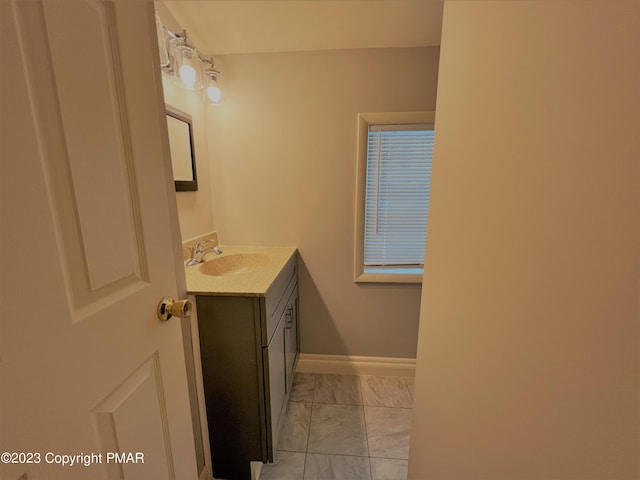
394, 176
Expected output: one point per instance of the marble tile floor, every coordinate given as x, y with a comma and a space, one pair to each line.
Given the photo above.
344, 427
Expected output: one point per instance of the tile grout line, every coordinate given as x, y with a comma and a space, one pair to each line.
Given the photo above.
342, 455
306, 448
366, 433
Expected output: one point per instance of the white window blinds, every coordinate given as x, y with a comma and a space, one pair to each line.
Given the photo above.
397, 195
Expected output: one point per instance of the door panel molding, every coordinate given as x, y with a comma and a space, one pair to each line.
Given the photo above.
91, 227
121, 428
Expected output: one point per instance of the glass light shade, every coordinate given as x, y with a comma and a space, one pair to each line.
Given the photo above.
212, 93
163, 44
188, 70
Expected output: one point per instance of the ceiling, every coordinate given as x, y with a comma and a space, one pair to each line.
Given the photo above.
219, 27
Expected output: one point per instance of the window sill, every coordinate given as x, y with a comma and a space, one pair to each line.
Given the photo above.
391, 277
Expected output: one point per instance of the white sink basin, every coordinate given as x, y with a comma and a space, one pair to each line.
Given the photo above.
234, 264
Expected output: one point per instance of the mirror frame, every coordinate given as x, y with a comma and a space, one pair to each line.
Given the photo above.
185, 185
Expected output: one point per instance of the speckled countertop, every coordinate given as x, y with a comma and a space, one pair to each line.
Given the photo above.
252, 280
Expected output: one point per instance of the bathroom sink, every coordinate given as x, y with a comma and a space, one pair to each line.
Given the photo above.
234, 264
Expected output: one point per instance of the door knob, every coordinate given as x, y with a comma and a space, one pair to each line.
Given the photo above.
168, 307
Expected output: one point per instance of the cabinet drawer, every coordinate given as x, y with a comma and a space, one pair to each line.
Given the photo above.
275, 302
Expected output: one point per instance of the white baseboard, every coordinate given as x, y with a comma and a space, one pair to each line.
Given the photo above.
353, 365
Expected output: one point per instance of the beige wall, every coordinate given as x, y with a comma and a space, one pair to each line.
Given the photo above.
283, 150
528, 358
195, 209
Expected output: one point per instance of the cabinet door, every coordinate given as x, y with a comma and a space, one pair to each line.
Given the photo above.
291, 337
277, 378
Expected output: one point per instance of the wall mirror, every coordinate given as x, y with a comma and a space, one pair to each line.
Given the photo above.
183, 157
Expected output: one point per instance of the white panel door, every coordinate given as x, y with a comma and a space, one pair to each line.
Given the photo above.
92, 384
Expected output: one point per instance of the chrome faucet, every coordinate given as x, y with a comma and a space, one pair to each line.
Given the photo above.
198, 251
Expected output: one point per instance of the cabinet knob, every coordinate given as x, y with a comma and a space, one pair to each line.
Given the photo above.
289, 315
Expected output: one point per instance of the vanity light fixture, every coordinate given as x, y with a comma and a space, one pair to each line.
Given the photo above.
181, 61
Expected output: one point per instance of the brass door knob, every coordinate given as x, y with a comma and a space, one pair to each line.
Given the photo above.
168, 307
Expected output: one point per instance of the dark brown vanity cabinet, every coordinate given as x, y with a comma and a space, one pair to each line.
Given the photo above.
249, 348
